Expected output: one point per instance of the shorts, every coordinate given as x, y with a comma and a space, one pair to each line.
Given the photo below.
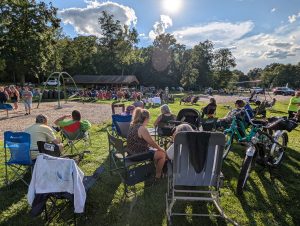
14, 100
28, 104
149, 155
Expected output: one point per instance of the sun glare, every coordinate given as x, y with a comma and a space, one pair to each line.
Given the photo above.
172, 6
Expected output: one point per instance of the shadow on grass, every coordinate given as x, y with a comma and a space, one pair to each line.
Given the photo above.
279, 191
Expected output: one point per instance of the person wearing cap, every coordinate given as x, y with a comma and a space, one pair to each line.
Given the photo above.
40, 131
294, 105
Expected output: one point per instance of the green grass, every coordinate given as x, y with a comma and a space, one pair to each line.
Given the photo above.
266, 201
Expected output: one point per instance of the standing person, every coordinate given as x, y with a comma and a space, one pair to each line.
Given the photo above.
27, 98
139, 141
15, 97
294, 105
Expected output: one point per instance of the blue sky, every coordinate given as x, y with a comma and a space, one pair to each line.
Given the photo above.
258, 32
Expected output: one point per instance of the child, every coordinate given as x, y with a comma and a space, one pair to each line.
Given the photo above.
27, 97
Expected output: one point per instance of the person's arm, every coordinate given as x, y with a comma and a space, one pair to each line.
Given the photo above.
157, 120
144, 133
56, 122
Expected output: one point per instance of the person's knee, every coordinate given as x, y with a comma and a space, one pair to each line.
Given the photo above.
159, 155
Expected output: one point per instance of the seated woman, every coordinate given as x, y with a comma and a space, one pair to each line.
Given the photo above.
210, 109
165, 117
139, 141
180, 128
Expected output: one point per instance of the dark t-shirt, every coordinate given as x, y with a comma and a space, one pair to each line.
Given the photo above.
3, 98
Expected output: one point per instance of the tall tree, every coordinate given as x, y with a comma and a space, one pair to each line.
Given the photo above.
223, 62
27, 31
254, 73
197, 73
117, 45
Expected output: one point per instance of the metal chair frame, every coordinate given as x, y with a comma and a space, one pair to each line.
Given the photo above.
120, 162
211, 180
19, 169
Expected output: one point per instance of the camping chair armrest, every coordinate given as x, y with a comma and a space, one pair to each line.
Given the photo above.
135, 155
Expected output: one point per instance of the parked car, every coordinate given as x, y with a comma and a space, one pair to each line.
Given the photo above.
29, 84
52, 82
283, 91
257, 90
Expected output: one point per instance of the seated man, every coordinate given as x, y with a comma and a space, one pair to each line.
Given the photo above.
226, 121
40, 131
72, 123
210, 109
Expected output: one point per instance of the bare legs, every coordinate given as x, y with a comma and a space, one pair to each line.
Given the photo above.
160, 159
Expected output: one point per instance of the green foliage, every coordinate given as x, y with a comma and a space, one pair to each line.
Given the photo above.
27, 33
33, 45
280, 75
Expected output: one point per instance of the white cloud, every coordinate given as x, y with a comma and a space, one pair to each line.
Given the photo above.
85, 20
281, 46
221, 33
293, 17
251, 50
160, 27
273, 10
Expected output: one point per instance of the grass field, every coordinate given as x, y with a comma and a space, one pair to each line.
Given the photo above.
266, 201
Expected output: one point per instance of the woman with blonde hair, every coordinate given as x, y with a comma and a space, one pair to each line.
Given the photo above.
140, 142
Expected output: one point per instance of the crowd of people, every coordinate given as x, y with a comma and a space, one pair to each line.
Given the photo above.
41, 131
139, 140
123, 94
16, 94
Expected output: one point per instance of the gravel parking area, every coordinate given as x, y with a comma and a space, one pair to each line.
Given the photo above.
17, 121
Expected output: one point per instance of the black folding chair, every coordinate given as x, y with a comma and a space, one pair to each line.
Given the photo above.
130, 172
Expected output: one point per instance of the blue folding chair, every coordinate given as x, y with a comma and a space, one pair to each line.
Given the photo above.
6, 107
121, 124
18, 145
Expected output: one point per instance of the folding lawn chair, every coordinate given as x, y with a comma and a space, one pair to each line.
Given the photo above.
130, 172
53, 150
196, 171
163, 133
73, 138
53, 204
121, 124
115, 106
18, 144
6, 107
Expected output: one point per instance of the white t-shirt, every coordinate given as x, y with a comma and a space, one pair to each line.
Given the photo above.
170, 152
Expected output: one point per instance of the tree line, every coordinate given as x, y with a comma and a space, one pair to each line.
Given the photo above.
32, 45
